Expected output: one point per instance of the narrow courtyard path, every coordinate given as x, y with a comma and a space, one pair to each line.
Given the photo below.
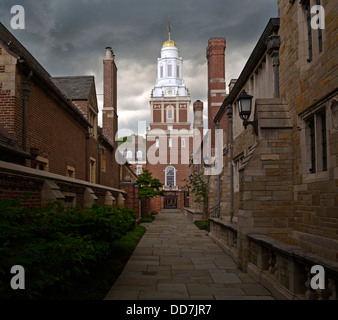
176, 261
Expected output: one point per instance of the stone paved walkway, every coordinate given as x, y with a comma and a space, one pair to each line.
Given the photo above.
176, 261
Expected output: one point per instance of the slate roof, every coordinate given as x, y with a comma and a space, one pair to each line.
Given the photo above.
14, 47
20, 51
74, 87
251, 64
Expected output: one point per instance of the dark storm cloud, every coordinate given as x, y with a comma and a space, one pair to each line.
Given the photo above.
69, 38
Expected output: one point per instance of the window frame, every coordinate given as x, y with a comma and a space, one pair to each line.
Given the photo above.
315, 130
139, 155
170, 70
172, 114
70, 172
42, 161
311, 40
129, 155
174, 175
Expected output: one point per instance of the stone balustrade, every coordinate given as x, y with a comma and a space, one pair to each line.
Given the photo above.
285, 269
224, 233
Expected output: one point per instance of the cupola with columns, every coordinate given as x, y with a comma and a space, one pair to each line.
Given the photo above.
169, 81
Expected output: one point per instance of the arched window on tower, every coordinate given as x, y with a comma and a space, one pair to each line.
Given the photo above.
170, 70
139, 155
170, 176
129, 155
170, 113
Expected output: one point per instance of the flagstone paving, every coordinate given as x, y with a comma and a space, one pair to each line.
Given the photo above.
175, 260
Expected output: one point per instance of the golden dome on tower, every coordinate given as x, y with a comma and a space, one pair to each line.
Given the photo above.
169, 43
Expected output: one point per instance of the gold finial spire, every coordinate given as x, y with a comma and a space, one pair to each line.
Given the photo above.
169, 27
169, 43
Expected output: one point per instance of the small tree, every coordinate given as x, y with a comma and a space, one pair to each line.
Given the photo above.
149, 188
197, 186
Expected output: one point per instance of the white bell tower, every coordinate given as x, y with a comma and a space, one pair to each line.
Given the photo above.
169, 133
169, 81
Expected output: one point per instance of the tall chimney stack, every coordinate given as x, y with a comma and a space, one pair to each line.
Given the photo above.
216, 81
198, 114
109, 111
198, 124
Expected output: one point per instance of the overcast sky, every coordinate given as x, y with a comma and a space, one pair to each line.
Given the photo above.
69, 38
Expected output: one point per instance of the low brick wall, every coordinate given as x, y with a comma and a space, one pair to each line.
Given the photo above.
17, 181
132, 197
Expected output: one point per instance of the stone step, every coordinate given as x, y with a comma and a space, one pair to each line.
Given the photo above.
171, 211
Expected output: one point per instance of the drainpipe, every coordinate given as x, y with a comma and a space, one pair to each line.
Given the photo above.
229, 113
25, 92
87, 156
218, 177
99, 165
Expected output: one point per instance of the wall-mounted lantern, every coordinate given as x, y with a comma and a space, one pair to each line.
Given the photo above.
244, 108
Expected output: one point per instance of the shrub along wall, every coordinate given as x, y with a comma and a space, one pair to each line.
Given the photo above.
56, 246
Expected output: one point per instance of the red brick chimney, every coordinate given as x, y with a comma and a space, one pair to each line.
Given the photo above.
198, 124
216, 80
198, 116
109, 111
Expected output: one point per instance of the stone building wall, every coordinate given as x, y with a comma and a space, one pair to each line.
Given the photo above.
310, 89
265, 178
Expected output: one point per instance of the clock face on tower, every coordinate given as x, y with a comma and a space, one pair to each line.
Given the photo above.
170, 92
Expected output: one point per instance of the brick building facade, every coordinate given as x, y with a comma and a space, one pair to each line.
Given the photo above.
50, 137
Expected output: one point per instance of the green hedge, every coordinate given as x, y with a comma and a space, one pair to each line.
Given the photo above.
56, 246
203, 224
